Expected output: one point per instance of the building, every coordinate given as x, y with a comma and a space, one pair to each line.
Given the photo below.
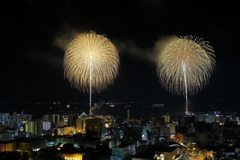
8, 146
94, 127
60, 124
190, 139
202, 138
172, 127
119, 152
230, 138
72, 156
33, 127
24, 144
21, 133
46, 117
166, 132
159, 152
208, 118
149, 156
69, 130
75, 140
64, 131
186, 120
38, 129
55, 118
79, 125
20, 117
4, 117
16, 120
166, 118
135, 133
156, 132
46, 125
5, 136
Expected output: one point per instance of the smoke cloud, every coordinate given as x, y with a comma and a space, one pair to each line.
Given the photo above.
97, 105
48, 58
64, 37
96, 108
127, 48
54, 58
161, 44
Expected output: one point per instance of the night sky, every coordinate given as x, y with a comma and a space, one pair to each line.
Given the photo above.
33, 34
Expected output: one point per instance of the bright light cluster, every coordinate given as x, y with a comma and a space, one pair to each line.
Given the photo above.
91, 62
185, 63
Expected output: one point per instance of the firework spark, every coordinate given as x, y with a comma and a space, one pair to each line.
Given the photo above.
185, 65
91, 62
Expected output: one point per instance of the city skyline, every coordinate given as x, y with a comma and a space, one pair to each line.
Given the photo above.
35, 34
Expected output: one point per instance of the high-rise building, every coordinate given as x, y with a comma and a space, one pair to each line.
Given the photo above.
79, 125
46, 125
166, 132
94, 127
172, 127
46, 117
38, 129
166, 118
29, 127
70, 122
34, 128
26, 127
55, 119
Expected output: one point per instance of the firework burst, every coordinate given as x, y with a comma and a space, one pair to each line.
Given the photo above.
91, 62
185, 65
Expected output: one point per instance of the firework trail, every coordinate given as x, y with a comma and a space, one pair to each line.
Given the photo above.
185, 65
185, 84
91, 62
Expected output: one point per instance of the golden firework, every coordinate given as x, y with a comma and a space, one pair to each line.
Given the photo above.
186, 63
91, 62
